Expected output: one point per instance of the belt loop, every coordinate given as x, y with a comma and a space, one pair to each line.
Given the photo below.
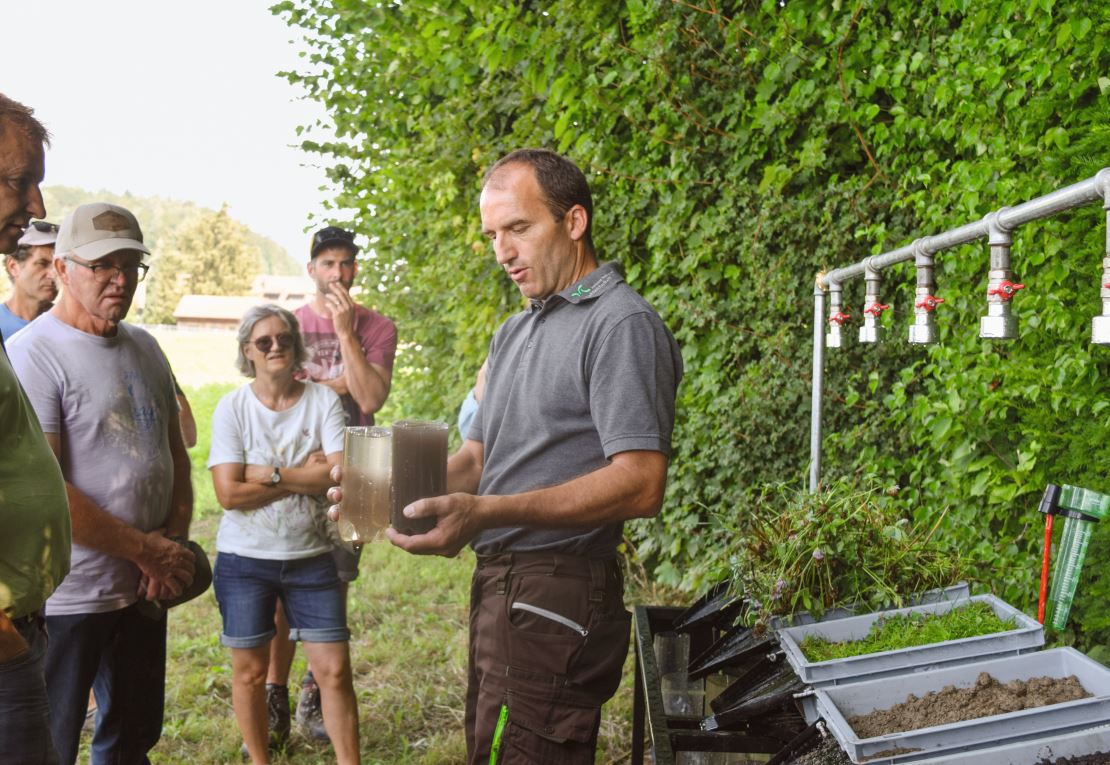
597, 580
502, 580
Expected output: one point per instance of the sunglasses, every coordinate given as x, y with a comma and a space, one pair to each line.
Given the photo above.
45, 228
265, 343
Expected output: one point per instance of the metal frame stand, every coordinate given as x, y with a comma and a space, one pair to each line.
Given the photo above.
671, 734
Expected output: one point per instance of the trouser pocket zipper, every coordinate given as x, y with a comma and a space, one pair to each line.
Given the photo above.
558, 618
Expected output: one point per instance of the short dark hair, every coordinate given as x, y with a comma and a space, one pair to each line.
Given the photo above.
563, 184
15, 114
22, 252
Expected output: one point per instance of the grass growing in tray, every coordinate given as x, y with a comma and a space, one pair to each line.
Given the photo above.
909, 630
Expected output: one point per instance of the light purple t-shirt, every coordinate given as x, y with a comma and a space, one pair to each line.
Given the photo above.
111, 400
376, 334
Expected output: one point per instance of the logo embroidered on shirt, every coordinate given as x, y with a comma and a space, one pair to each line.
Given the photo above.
581, 291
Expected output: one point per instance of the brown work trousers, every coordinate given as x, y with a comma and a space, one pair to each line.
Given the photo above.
548, 638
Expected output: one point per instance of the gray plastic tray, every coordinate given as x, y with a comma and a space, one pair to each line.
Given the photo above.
837, 703
1028, 636
1090, 741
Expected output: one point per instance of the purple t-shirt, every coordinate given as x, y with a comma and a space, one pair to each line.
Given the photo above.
376, 334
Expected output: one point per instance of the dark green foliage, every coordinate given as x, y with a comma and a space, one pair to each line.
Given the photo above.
735, 149
909, 630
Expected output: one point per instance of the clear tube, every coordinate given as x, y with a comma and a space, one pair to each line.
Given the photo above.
1069, 564
1073, 549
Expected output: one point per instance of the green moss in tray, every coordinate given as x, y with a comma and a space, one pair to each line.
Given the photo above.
909, 630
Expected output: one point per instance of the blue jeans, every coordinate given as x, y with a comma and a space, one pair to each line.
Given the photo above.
121, 655
247, 590
24, 711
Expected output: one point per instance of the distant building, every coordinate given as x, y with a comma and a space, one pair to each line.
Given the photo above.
280, 288
225, 311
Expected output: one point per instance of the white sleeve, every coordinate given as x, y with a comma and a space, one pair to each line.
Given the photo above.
227, 435
335, 423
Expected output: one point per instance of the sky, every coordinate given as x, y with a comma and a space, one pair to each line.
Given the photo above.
178, 100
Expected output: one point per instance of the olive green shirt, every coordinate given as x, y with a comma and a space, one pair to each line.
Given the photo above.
34, 512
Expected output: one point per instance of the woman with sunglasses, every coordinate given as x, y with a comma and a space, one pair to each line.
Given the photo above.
273, 541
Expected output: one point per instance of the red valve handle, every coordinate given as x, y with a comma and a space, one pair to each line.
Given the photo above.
839, 318
1107, 285
876, 309
1006, 290
929, 302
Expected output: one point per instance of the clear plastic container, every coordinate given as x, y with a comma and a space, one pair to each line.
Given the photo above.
364, 511
1073, 548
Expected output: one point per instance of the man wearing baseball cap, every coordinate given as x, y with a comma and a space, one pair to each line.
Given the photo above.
31, 269
104, 394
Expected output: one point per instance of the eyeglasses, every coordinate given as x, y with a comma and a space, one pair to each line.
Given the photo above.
284, 341
104, 273
45, 228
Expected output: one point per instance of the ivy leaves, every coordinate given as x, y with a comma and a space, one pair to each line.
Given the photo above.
734, 149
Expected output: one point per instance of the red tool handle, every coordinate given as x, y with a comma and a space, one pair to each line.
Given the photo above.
1044, 566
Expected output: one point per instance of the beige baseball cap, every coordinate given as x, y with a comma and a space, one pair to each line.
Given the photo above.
98, 229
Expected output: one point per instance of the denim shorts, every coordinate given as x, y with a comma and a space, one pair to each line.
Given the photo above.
247, 590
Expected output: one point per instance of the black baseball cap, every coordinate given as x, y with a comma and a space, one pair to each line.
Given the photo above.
333, 235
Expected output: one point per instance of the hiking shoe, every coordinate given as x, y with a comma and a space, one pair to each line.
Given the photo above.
309, 714
277, 710
277, 714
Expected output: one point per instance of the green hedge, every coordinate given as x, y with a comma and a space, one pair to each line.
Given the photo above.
735, 149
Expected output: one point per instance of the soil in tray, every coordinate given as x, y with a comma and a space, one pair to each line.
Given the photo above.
827, 752
1099, 758
950, 704
909, 630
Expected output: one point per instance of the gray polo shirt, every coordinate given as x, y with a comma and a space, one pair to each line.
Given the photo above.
588, 373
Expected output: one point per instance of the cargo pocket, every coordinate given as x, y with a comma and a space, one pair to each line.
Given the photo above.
544, 729
547, 622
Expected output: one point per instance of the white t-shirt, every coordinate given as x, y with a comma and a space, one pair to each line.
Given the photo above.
111, 400
248, 433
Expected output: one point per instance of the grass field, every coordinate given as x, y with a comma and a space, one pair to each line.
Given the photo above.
408, 618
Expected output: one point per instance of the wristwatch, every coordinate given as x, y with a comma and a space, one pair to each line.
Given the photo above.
275, 477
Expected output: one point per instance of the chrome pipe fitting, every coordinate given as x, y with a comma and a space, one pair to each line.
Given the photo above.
999, 323
923, 331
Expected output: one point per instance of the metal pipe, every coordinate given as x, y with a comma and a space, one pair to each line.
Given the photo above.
923, 331
871, 330
818, 385
1100, 325
835, 338
999, 323
922, 250
1076, 195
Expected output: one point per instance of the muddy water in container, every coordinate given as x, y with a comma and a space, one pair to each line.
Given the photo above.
419, 469
367, 464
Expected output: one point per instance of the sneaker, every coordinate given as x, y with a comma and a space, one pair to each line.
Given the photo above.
309, 714
277, 709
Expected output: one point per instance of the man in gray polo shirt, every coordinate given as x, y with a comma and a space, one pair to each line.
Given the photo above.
571, 439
